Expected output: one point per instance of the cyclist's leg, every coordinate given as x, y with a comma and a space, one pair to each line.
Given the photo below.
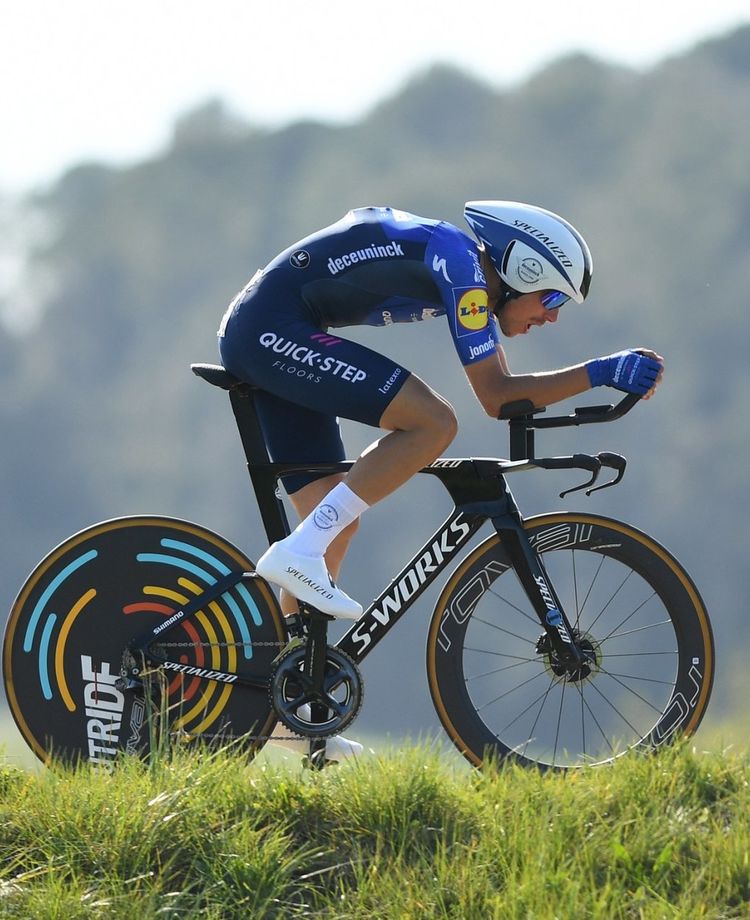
421, 423
295, 433
299, 363
305, 500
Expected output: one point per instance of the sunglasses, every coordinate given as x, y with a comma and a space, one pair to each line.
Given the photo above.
554, 299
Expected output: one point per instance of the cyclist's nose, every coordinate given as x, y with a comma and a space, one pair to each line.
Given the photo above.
551, 315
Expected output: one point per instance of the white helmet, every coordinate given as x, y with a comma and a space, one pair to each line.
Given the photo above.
533, 249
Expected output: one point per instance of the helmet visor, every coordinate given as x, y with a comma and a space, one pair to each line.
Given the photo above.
554, 299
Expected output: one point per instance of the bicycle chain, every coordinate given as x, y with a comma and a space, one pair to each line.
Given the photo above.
269, 737
240, 644
220, 644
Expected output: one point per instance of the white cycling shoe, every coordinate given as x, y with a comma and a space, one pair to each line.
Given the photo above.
307, 579
337, 750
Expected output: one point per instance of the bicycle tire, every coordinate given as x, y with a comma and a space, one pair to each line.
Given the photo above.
99, 589
495, 683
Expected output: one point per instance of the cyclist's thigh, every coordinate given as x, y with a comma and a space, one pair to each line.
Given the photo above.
296, 434
418, 405
285, 354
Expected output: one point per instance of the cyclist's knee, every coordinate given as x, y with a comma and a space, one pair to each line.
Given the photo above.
419, 408
446, 423
439, 423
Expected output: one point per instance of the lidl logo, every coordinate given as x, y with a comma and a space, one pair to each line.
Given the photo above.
472, 309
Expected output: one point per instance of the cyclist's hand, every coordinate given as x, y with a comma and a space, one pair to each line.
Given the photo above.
633, 371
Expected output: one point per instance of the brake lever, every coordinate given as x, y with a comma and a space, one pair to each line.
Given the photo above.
595, 468
576, 462
613, 462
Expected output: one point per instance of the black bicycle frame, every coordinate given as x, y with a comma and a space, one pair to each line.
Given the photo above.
479, 492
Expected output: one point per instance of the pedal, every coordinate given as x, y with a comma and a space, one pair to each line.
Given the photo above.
294, 625
317, 760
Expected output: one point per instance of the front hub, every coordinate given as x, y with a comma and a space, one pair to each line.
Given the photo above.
590, 652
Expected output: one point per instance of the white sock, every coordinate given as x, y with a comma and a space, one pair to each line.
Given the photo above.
318, 530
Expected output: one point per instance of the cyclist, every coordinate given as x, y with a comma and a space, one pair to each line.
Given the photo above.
380, 266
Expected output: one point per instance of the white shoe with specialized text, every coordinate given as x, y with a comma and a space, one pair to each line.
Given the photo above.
307, 579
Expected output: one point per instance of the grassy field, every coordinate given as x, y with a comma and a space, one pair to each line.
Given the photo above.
404, 835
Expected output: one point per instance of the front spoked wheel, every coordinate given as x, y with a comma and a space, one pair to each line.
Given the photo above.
499, 688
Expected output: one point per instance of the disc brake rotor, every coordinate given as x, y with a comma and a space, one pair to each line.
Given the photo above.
586, 671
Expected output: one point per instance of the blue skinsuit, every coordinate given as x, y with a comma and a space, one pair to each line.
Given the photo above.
376, 267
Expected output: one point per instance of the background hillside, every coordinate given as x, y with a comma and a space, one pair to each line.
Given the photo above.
132, 268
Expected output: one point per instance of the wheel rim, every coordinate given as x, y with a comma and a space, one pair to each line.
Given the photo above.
79, 609
470, 699
545, 712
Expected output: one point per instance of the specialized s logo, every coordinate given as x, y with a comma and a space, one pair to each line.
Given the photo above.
440, 265
471, 309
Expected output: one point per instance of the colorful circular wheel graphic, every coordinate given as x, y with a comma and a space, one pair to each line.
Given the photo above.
73, 619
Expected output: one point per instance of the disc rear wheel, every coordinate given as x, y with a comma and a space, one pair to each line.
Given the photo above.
67, 637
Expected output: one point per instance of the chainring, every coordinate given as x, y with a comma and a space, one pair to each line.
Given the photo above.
310, 712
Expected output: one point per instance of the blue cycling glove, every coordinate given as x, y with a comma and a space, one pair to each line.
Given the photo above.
629, 371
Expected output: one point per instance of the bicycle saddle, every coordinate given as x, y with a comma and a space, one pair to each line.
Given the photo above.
216, 375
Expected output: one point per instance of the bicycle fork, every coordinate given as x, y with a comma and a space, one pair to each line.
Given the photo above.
539, 589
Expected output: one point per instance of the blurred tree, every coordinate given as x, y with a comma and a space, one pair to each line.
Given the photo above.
101, 417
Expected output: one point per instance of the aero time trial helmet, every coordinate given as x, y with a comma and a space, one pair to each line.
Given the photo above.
532, 249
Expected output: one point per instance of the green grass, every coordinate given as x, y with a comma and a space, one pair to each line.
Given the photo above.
404, 835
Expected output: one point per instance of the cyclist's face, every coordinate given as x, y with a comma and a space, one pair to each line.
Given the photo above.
520, 314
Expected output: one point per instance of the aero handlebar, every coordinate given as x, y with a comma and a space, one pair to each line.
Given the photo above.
522, 422
523, 410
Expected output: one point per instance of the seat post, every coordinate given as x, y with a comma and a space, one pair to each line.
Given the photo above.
265, 485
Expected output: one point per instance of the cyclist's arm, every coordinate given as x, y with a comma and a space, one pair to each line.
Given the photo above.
494, 385
632, 371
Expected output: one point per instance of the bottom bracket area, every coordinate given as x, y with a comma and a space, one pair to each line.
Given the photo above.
316, 711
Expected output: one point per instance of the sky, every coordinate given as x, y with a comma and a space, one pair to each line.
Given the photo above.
105, 80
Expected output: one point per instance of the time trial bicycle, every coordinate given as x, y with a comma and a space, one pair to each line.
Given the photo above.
561, 640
